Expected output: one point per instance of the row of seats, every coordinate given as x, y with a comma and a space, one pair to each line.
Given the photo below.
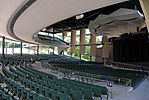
118, 76
19, 91
39, 73
54, 84
76, 95
34, 93
79, 83
5, 95
49, 90
66, 86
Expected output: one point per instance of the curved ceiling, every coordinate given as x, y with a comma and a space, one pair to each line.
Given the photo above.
7, 8
43, 13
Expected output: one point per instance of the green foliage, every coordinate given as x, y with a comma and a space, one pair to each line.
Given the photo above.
87, 53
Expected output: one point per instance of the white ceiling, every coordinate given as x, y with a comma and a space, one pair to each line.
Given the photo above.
7, 8
43, 13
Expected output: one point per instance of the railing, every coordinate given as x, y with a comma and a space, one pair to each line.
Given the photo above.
125, 65
128, 86
90, 78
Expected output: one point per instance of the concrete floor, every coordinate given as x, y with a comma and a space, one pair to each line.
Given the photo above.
120, 92
140, 93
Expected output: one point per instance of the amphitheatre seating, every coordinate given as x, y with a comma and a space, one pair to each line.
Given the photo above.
39, 85
124, 65
8, 73
51, 84
4, 95
100, 71
17, 72
54, 96
24, 91
30, 83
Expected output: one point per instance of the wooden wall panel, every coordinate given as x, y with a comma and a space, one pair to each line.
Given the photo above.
93, 46
82, 41
73, 41
105, 50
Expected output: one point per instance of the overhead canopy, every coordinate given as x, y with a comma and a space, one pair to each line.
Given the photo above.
125, 14
119, 22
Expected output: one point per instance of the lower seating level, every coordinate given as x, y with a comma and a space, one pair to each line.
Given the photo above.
18, 75
118, 76
24, 82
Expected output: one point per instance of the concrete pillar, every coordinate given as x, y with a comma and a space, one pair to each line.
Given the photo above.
29, 49
3, 47
53, 40
145, 7
13, 48
21, 48
82, 41
37, 49
48, 51
73, 41
6, 49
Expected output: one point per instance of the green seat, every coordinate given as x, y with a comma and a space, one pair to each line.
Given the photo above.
33, 86
97, 91
88, 94
62, 96
6, 97
1, 94
76, 95
16, 98
33, 95
41, 97
19, 91
52, 86
45, 92
39, 89
25, 93
1, 77
59, 88
53, 94
65, 91
104, 90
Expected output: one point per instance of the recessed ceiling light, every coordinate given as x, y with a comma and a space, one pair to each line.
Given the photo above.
79, 16
43, 29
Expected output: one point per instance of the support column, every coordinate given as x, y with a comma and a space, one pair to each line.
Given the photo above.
6, 49
21, 48
73, 41
53, 40
145, 7
37, 49
82, 41
3, 47
63, 35
90, 58
80, 56
53, 50
40, 49
48, 51
93, 47
53, 46
13, 48
105, 48
28, 49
